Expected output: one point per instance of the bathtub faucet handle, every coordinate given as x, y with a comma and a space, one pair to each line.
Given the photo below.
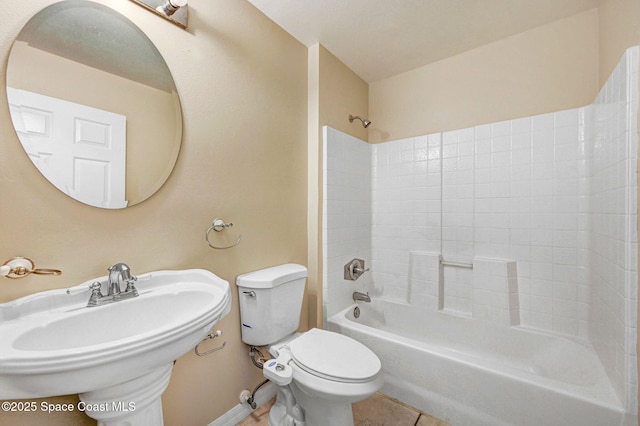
354, 269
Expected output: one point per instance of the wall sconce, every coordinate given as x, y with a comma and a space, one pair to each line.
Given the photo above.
175, 11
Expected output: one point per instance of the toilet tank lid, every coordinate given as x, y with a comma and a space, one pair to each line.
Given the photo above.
272, 277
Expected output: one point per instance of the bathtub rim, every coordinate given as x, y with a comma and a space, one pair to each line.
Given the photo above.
613, 403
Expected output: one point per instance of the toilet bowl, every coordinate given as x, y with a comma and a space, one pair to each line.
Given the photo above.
318, 373
329, 372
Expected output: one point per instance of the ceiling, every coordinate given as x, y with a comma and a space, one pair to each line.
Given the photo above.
381, 38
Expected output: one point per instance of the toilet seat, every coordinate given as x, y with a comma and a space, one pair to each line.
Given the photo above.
320, 370
335, 357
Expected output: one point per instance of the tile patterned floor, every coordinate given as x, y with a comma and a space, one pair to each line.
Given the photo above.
379, 410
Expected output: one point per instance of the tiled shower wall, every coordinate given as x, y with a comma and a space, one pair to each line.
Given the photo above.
346, 216
611, 214
554, 193
507, 190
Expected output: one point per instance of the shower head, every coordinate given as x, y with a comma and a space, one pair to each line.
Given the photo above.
365, 122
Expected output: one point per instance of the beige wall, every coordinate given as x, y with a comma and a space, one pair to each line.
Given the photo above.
242, 84
342, 92
549, 68
335, 91
619, 28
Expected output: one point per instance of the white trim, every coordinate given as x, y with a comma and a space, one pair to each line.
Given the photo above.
240, 411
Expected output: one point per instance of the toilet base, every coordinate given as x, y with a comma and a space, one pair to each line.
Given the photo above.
285, 411
322, 411
295, 407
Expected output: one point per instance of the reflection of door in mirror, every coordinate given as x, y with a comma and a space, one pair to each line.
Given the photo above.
82, 150
86, 53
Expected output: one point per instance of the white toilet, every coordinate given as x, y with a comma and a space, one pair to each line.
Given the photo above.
319, 373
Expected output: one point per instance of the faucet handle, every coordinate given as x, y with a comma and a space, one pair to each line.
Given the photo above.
95, 294
130, 287
354, 269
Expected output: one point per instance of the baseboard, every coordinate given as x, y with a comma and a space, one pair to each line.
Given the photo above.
240, 411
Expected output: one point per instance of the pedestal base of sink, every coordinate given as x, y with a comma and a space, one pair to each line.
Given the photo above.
133, 403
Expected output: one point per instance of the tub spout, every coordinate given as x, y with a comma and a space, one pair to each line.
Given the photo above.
363, 297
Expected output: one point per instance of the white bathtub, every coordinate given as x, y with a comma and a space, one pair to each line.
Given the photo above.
468, 372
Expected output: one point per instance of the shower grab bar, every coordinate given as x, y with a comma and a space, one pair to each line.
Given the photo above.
456, 264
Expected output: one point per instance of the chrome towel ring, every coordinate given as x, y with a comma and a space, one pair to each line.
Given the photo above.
219, 225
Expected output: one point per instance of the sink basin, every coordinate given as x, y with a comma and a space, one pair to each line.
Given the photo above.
88, 327
52, 344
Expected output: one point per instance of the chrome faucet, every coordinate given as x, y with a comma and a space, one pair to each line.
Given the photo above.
118, 274
363, 297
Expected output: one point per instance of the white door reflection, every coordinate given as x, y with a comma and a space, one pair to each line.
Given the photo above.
80, 149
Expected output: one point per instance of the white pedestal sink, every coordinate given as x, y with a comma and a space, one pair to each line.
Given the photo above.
118, 356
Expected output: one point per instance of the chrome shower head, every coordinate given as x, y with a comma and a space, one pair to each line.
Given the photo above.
365, 122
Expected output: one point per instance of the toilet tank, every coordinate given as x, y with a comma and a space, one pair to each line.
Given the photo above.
270, 303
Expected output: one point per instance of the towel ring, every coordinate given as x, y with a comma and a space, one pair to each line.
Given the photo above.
220, 225
19, 267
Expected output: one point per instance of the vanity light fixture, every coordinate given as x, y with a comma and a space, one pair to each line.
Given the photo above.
176, 11
169, 7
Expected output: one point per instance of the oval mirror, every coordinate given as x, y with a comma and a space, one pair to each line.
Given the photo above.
94, 104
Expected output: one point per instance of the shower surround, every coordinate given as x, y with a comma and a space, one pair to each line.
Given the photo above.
543, 207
